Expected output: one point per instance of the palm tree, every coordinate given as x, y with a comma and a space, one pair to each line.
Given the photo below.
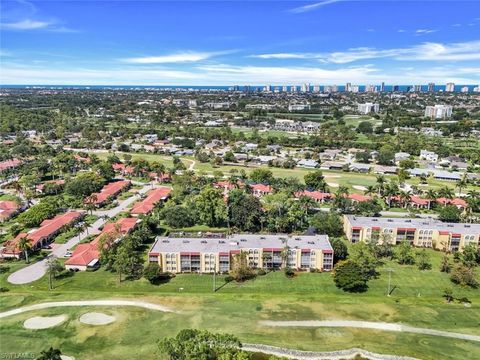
380, 183
462, 183
431, 196
446, 193
371, 190
405, 198
25, 246
53, 269
391, 190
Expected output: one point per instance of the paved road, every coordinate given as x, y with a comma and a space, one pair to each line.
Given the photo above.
370, 325
37, 270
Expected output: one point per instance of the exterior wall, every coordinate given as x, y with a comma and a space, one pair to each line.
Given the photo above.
421, 237
76, 267
255, 258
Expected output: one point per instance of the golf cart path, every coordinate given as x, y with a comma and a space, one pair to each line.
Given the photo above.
47, 305
323, 355
370, 325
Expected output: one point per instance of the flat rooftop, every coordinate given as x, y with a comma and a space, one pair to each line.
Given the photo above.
430, 224
240, 241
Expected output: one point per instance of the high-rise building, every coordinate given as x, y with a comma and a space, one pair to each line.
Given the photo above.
450, 87
348, 87
369, 88
236, 88
316, 88
476, 88
293, 88
355, 89
431, 87
368, 108
418, 88
464, 89
438, 111
382, 88
246, 89
305, 88
268, 88
284, 88
395, 88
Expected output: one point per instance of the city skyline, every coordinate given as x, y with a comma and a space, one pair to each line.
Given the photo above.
228, 43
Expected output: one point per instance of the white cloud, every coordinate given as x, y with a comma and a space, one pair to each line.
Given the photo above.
306, 8
225, 74
425, 31
181, 57
429, 51
26, 25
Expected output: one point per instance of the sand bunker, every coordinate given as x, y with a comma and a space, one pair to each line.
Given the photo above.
42, 322
334, 185
359, 187
66, 357
96, 318
327, 176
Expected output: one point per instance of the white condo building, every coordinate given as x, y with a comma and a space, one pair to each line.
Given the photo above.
368, 108
450, 87
464, 89
438, 111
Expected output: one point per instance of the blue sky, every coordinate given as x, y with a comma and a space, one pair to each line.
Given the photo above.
239, 42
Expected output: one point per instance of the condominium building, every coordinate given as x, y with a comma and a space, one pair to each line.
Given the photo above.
299, 107
438, 111
464, 89
450, 87
305, 87
368, 108
431, 87
418, 232
208, 255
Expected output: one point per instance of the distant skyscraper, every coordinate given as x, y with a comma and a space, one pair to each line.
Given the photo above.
236, 88
305, 88
348, 87
395, 88
450, 87
382, 88
284, 88
369, 88
334, 88
268, 88
418, 88
464, 89
316, 88
476, 88
246, 89
293, 88
355, 88
431, 87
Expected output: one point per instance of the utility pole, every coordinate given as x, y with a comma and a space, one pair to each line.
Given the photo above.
389, 280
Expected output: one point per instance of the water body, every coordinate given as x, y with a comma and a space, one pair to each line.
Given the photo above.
341, 88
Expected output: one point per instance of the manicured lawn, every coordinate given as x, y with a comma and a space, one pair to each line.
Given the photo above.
237, 308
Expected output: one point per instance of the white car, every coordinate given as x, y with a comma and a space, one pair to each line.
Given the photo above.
68, 254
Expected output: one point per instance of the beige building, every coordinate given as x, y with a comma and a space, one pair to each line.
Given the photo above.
206, 255
418, 232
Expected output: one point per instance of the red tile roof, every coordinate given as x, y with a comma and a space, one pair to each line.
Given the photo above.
315, 195
84, 254
47, 229
9, 164
154, 196
265, 189
456, 201
413, 199
359, 197
110, 190
7, 209
123, 168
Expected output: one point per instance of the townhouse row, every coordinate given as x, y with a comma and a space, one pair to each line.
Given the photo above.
418, 232
208, 255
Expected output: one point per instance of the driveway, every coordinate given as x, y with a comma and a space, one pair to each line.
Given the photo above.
37, 270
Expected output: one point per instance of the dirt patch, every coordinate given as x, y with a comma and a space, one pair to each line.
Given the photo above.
44, 322
96, 318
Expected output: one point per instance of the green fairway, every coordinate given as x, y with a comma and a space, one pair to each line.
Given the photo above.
237, 308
